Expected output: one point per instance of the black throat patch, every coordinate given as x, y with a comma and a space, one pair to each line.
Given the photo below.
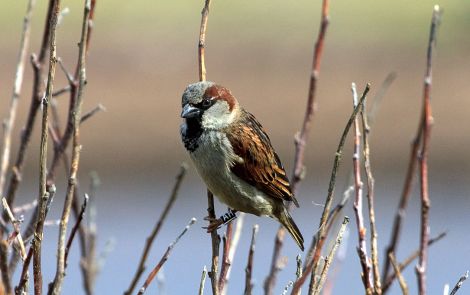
192, 133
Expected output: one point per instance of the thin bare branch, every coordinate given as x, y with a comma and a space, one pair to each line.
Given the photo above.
234, 245
320, 233
16, 225
459, 283
88, 115
38, 63
203, 281
401, 279
202, 41
56, 285
10, 121
6, 280
213, 274
249, 265
330, 257
371, 114
162, 261
226, 262
43, 194
75, 228
370, 201
156, 229
361, 229
389, 280
301, 142
427, 117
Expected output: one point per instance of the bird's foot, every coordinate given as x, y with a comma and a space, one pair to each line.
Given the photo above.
216, 223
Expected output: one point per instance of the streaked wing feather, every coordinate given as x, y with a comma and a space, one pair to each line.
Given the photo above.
261, 166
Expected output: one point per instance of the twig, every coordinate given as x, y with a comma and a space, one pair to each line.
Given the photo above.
320, 234
37, 96
75, 229
370, 201
331, 255
301, 141
215, 246
371, 114
213, 274
37, 240
43, 196
16, 225
389, 280
10, 121
249, 265
162, 261
156, 229
361, 230
88, 115
61, 91
459, 283
203, 281
6, 280
427, 117
55, 287
226, 262
202, 40
401, 279
234, 245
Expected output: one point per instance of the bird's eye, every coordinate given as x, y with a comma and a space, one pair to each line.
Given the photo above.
206, 103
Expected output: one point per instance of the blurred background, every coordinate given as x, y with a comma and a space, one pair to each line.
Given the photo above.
144, 53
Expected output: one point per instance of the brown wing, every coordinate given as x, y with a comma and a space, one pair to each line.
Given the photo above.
261, 166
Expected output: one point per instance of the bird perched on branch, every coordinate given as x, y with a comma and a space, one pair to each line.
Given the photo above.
234, 156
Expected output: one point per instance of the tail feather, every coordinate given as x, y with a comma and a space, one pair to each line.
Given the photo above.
286, 220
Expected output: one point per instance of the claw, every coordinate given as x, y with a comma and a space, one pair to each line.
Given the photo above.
216, 223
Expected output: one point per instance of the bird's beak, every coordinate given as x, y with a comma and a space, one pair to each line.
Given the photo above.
190, 111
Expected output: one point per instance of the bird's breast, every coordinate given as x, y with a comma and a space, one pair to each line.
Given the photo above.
213, 160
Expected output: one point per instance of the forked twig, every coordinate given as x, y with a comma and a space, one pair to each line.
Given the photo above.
301, 142
156, 229
331, 255
56, 285
16, 225
320, 233
164, 258
401, 279
389, 280
75, 228
361, 230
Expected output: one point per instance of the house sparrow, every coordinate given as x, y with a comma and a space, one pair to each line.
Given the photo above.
234, 155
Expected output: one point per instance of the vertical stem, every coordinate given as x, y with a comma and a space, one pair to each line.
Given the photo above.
56, 285
8, 124
301, 142
361, 230
424, 186
42, 198
370, 200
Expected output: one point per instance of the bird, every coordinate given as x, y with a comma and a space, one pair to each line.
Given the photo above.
234, 156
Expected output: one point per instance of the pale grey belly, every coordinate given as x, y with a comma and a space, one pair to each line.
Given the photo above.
213, 165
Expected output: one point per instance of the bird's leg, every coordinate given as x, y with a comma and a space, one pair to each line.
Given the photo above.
224, 219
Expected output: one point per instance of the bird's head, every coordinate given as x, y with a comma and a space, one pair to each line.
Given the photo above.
211, 105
